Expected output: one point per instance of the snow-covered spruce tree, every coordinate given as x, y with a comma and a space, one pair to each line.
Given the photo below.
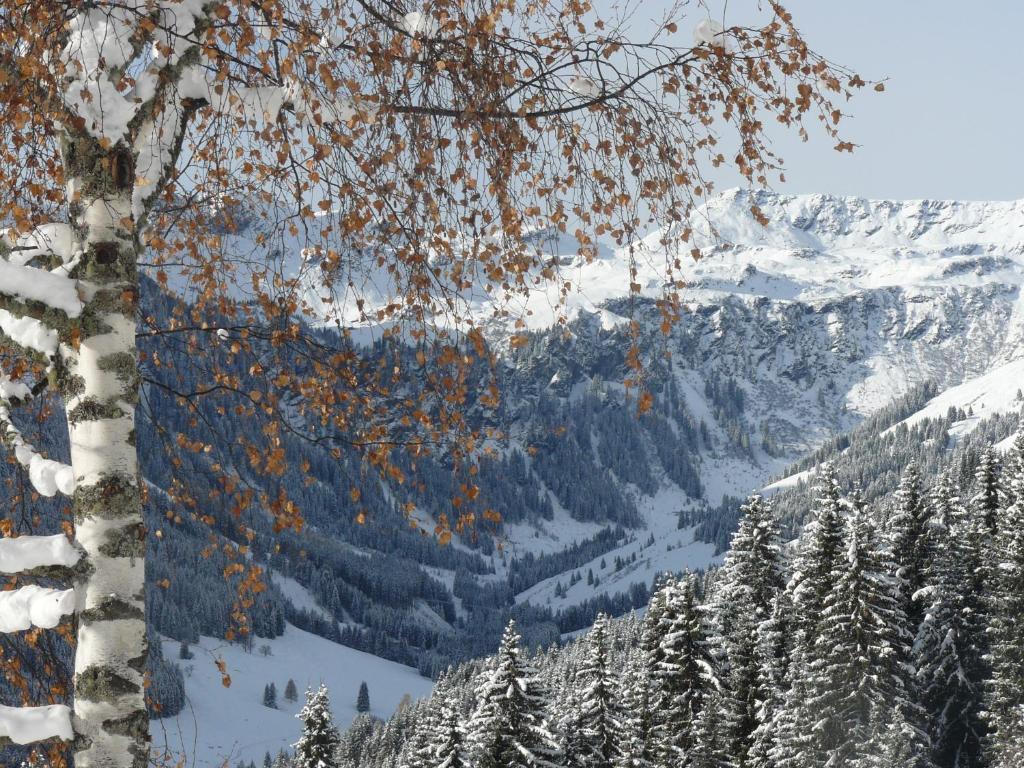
601, 719
567, 717
1005, 695
344, 131
819, 552
774, 647
635, 749
895, 742
986, 503
744, 600
1013, 468
509, 727
418, 749
641, 691
432, 733
685, 675
318, 746
857, 668
905, 531
450, 748
817, 562
983, 514
948, 648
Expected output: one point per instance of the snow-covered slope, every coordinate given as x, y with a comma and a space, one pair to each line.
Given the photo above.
999, 390
936, 271
223, 725
836, 308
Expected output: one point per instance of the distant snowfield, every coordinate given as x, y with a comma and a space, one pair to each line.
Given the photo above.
816, 247
224, 725
297, 594
674, 549
993, 393
990, 394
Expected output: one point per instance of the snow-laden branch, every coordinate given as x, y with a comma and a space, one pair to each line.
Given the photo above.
53, 239
34, 606
29, 334
36, 339
103, 42
13, 390
48, 477
156, 148
30, 284
26, 553
27, 725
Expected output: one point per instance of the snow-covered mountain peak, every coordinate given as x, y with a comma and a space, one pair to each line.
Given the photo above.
815, 248
829, 222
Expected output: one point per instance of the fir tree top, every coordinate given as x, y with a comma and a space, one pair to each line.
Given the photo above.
318, 746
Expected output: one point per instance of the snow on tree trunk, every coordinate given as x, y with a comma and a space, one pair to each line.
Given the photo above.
100, 392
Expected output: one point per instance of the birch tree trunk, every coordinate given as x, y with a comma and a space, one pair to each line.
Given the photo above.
100, 389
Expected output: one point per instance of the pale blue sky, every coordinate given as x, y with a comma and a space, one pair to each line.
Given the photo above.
951, 120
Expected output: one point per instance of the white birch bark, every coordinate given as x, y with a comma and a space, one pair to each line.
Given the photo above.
100, 388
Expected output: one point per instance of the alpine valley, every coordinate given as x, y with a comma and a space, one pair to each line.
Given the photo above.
866, 333
871, 333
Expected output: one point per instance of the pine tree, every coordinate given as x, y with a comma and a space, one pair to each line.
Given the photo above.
508, 728
451, 749
773, 650
291, 693
893, 742
430, 728
984, 513
985, 504
906, 535
270, 696
635, 741
572, 745
684, 675
1005, 699
857, 666
1013, 468
947, 650
819, 551
318, 746
750, 583
600, 715
363, 698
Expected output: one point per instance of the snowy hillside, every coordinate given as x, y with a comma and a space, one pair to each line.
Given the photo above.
930, 275
967, 406
793, 334
223, 725
1000, 390
830, 313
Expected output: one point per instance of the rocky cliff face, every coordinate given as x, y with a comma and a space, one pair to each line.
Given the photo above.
834, 310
